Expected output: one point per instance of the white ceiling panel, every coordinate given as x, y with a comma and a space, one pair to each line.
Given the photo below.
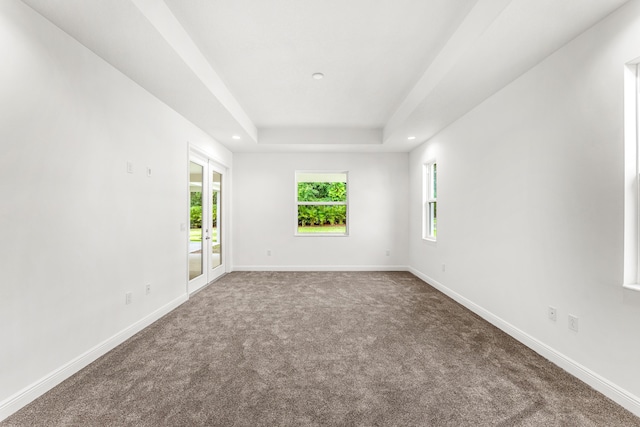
393, 68
371, 53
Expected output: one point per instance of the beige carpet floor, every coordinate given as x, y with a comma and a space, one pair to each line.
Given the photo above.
321, 349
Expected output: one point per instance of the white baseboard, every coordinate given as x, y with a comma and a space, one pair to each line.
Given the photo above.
604, 386
37, 389
320, 268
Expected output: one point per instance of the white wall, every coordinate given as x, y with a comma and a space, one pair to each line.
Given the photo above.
530, 208
76, 230
264, 212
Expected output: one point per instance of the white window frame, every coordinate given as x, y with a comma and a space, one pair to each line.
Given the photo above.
429, 201
298, 203
631, 279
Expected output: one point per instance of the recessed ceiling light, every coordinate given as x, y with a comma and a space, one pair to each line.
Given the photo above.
411, 138
235, 137
318, 76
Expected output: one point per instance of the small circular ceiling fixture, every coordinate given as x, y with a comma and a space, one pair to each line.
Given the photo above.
411, 138
236, 137
318, 76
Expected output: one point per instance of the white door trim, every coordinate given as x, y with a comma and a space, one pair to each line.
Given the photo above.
209, 165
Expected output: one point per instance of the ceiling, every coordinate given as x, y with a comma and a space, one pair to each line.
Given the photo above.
393, 69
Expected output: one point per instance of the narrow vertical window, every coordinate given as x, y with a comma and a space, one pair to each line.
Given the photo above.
430, 201
321, 203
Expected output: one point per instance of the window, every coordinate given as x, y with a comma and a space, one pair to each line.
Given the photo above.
429, 201
631, 176
322, 205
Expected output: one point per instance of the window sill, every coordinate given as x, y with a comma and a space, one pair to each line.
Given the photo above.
429, 239
632, 287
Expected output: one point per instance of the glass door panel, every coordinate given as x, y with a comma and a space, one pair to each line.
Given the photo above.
206, 226
196, 236
216, 222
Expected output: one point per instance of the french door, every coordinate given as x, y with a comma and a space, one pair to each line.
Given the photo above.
206, 233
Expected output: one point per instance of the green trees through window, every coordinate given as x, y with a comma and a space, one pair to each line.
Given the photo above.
322, 205
196, 209
320, 215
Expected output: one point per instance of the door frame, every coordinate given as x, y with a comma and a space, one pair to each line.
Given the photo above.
210, 165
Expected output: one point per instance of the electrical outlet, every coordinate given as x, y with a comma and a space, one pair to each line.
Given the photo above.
127, 298
573, 323
268, 252
129, 167
553, 313
149, 171
444, 267
147, 289
388, 252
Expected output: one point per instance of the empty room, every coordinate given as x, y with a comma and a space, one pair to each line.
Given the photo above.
305, 213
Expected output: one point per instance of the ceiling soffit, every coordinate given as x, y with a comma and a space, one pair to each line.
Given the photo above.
402, 68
